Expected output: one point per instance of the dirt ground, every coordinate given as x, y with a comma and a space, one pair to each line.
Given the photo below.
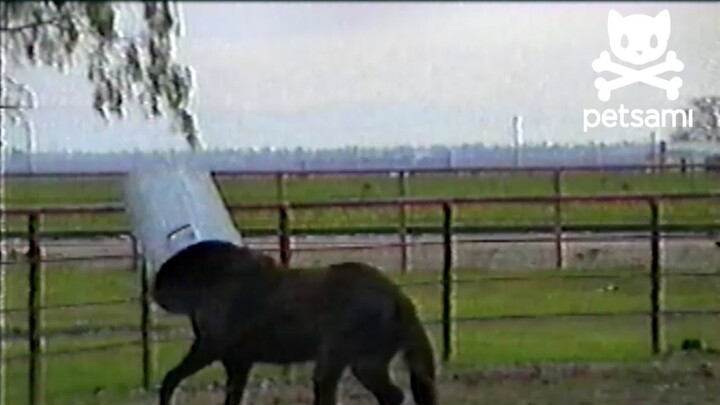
680, 379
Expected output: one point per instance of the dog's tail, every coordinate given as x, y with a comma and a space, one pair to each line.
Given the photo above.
421, 362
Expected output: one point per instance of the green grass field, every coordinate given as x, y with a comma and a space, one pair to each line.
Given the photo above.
479, 344
44, 192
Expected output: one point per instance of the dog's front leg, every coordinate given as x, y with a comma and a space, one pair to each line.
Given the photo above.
195, 360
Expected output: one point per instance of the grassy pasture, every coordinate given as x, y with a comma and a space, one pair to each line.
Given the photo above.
106, 376
489, 343
44, 192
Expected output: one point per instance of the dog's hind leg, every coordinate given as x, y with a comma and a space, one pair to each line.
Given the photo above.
195, 360
237, 377
375, 377
326, 376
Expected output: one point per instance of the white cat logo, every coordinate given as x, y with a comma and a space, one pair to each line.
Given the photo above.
638, 39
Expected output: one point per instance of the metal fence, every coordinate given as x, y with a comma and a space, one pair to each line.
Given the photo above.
149, 334
403, 176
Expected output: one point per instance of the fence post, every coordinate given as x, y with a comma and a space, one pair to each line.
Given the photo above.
145, 323
663, 156
657, 290
281, 184
284, 236
447, 283
3, 289
36, 383
285, 256
135, 254
559, 244
402, 215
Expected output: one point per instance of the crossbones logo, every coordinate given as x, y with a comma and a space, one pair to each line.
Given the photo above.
638, 39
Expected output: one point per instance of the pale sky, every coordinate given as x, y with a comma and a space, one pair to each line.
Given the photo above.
383, 74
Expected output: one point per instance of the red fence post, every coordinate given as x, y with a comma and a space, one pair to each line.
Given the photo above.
3, 289
403, 186
447, 283
36, 380
284, 236
145, 323
285, 256
559, 244
657, 282
134, 267
281, 184
147, 318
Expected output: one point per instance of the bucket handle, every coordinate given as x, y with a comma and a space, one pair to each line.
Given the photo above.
174, 233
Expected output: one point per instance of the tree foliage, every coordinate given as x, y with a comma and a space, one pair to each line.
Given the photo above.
139, 67
706, 121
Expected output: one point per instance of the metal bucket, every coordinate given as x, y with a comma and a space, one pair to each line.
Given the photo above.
172, 207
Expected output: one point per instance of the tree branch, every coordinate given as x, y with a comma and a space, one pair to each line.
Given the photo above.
12, 107
30, 25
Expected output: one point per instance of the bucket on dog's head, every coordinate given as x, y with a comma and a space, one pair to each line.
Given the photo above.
172, 207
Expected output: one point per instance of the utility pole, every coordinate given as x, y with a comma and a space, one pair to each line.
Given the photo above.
517, 140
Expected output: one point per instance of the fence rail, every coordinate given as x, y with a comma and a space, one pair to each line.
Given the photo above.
403, 229
382, 203
407, 171
654, 230
403, 203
